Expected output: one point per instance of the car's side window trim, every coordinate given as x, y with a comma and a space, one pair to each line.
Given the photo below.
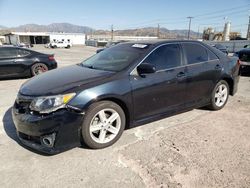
181, 52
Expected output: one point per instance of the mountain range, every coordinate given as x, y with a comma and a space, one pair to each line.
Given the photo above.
71, 28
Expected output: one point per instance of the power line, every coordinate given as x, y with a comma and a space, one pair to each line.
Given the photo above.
222, 10
207, 15
221, 15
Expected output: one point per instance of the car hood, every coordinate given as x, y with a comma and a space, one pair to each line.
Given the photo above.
61, 80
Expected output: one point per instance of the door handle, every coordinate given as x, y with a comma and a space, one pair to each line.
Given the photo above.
218, 67
181, 75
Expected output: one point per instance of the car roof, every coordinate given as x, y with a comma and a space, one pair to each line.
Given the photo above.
246, 50
161, 41
16, 47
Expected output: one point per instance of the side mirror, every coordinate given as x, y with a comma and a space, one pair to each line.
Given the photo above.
146, 68
99, 50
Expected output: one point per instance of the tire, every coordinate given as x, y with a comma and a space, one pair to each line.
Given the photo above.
219, 96
38, 68
68, 47
54, 46
96, 127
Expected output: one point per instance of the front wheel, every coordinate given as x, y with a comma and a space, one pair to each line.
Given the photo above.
219, 96
103, 124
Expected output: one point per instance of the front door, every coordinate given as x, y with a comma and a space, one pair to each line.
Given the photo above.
164, 90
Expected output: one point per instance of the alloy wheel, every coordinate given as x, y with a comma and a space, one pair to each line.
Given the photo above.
221, 95
39, 68
105, 126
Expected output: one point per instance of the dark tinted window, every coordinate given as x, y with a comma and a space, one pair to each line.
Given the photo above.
8, 52
22, 53
244, 57
211, 55
165, 57
195, 53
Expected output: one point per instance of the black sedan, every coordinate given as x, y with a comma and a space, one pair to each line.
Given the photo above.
244, 56
20, 62
123, 86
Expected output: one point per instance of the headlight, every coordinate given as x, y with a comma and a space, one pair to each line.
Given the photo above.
50, 104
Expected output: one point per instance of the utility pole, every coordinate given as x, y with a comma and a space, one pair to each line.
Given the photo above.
248, 30
158, 31
190, 20
112, 32
198, 35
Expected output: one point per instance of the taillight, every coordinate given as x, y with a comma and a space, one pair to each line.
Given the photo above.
238, 61
51, 58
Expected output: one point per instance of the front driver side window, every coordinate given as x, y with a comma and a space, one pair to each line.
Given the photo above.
165, 57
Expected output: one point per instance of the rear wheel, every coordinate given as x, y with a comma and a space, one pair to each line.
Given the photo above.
38, 68
219, 96
103, 124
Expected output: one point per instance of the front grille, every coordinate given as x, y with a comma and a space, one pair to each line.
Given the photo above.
22, 103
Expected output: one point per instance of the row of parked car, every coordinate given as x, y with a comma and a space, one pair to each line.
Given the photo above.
19, 61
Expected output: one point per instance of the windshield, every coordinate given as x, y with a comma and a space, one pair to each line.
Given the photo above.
115, 58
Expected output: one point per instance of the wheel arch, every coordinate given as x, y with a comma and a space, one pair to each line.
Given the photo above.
230, 83
119, 102
123, 105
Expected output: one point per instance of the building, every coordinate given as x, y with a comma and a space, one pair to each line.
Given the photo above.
43, 37
2, 39
102, 40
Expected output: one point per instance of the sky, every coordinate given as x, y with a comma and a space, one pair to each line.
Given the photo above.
128, 14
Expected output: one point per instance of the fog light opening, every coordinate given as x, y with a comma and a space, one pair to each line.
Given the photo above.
48, 140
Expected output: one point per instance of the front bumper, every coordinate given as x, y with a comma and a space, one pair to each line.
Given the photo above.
63, 128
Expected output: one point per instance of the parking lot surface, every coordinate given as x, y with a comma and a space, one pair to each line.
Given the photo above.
199, 148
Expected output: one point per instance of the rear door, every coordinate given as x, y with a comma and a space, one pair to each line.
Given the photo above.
164, 90
204, 69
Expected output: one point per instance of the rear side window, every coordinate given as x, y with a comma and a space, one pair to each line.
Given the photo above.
165, 57
8, 52
211, 55
195, 53
22, 53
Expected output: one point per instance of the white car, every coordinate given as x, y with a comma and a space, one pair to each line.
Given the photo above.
60, 44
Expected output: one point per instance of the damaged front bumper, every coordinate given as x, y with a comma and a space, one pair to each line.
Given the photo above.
51, 133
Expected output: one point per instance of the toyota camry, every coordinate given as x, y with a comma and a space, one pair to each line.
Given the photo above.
126, 85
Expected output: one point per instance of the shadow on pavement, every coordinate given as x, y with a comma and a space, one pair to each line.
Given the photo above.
9, 126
